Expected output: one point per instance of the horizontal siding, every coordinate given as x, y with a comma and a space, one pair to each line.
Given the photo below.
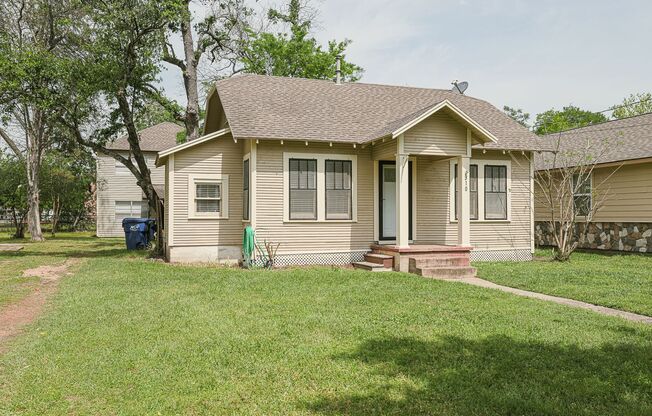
433, 212
221, 156
438, 135
310, 237
112, 187
628, 193
384, 150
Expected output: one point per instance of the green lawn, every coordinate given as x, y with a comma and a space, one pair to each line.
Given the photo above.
127, 335
617, 281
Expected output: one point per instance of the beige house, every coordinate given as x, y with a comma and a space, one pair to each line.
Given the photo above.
118, 195
329, 170
622, 179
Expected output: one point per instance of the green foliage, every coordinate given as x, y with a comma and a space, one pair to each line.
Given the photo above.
634, 105
518, 115
296, 54
153, 113
66, 184
569, 117
13, 190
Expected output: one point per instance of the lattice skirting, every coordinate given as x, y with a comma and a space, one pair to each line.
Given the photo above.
501, 255
324, 259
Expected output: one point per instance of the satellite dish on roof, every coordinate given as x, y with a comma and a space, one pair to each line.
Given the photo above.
459, 87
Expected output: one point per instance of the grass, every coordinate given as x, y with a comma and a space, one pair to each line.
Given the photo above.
126, 335
619, 281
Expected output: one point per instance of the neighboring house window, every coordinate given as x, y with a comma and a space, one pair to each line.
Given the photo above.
495, 192
339, 198
303, 189
131, 209
582, 199
245, 189
121, 169
473, 191
208, 196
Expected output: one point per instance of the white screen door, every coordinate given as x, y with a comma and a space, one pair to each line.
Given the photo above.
389, 200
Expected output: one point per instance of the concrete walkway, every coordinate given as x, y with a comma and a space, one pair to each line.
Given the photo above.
562, 301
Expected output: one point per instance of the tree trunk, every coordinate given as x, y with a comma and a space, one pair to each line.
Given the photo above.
56, 213
190, 78
19, 224
33, 161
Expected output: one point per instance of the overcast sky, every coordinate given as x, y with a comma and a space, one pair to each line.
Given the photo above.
530, 54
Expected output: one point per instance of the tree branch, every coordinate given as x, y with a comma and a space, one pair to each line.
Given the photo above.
11, 143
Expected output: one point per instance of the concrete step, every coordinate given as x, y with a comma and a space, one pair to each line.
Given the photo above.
372, 267
440, 261
455, 272
385, 260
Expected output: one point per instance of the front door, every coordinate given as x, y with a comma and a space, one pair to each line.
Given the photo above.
387, 199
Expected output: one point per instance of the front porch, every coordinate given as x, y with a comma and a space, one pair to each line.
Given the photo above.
433, 260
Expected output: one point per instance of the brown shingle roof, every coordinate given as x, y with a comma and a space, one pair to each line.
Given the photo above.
612, 141
152, 139
268, 107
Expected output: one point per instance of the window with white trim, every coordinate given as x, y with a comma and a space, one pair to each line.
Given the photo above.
582, 197
489, 190
208, 196
303, 189
495, 192
131, 209
319, 187
339, 197
473, 192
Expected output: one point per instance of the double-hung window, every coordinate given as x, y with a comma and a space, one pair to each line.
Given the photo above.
582, 199
473, 191
339, 195
208, 196
495, 192
303, 189
131, 209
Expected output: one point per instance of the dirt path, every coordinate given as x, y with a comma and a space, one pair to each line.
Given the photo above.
562, 301
16, 315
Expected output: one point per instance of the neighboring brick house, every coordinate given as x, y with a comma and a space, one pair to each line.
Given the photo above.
623, 173
118, 195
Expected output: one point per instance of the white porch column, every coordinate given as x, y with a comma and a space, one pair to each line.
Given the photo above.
402, 195
464, 208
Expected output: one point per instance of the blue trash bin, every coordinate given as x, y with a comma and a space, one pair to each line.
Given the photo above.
138, 232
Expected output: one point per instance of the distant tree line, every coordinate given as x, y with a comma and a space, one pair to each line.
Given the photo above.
570, 117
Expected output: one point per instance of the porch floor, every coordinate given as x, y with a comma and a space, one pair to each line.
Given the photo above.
421, 248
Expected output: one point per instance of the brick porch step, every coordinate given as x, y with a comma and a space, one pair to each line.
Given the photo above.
385, 260
442, 261
455, 272
425, 267
372, 267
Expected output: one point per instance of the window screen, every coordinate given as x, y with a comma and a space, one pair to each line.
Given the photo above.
208, 197
495, 192
338, 190
131, 209
245, 190
473, 192
582, 195
303, 189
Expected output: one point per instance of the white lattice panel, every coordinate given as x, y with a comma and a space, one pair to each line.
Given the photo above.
501, 255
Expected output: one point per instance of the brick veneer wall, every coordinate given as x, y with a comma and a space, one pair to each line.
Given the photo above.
621, 236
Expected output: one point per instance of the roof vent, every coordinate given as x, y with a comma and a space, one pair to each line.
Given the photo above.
338, 69
459, 87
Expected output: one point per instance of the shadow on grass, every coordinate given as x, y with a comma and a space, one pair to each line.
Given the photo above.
497, 375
